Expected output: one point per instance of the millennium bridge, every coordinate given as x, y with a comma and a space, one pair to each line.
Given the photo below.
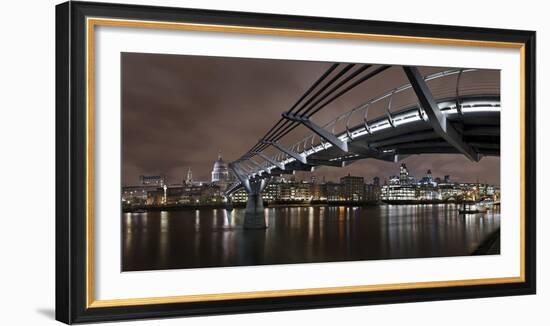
443, 114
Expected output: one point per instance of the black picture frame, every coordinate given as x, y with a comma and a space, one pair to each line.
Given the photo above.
71, 157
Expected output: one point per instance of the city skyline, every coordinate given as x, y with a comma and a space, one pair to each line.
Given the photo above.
399, 188
307, 176
172, 122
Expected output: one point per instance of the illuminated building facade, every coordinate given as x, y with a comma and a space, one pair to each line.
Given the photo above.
398, 193
428, 189
349, 189
295, 191
352, 188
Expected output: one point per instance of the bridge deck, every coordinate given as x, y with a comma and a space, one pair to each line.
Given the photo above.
410, 133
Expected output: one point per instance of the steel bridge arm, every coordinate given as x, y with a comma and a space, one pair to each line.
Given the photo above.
436, 118
233, 189
271, 161
258, 165
297, 156
241, 176
320, 131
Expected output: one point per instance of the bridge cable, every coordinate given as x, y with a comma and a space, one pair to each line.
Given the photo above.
310, 89
352, 86
335, 88
339, 94
342, 72
277, 132
293, 125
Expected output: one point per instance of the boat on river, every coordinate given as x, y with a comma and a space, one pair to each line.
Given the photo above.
472, 208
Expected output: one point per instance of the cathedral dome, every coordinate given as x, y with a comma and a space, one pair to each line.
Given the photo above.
220, 173
219, 164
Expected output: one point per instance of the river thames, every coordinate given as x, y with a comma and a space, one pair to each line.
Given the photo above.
215, 238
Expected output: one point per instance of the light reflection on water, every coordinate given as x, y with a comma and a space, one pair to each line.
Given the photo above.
214, 237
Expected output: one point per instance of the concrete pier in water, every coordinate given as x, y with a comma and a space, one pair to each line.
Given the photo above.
254, 216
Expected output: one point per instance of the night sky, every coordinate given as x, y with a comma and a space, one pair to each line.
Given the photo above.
179, 111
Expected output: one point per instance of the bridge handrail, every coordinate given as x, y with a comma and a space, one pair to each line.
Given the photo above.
346, 115
400, 89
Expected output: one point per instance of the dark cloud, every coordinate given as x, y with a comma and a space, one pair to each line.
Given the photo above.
178, 111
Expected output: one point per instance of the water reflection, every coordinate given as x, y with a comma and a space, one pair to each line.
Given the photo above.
164, 237
214, 237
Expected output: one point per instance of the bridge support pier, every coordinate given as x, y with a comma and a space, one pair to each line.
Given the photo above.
254, 216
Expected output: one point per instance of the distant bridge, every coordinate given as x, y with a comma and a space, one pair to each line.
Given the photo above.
466, 124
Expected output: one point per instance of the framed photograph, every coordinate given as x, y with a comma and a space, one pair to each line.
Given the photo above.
213, 162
